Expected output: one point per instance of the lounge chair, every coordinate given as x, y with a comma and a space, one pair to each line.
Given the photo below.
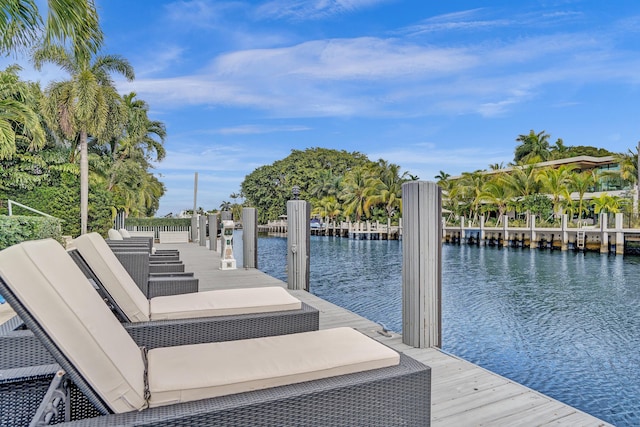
123, 237
102, 260
330, 377
198, 317
156, 278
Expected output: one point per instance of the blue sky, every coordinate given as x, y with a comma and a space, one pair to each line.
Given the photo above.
446, 86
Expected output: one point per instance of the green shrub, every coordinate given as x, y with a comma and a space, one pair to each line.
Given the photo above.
16, 229
61, 199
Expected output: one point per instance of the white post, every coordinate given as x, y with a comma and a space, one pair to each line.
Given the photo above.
462, 237
565, 234
227, 260
505, 231
422, 264
298, 241
604, 234
481, 235
619, 233
194, 216
250, 237
532, 236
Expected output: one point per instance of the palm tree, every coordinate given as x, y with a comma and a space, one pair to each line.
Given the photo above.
75, 21
497, 193
629, 170
581, 183
555, 182
522, 183
225, 206
83, 105
140, 135
606, 203
326, 184
357, 186
19, 120
442, 176
327, 208
470, 187
533, 147
387, 189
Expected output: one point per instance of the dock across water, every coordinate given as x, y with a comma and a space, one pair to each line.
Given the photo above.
463, 394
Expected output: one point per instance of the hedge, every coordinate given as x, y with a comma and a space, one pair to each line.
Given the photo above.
16, 229
157, 222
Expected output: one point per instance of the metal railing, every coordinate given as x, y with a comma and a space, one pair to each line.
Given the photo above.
10, 204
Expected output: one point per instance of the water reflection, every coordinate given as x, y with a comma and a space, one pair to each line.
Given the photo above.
562, 323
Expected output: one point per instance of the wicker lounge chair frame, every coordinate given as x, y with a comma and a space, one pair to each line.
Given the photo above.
395, 396
151, 285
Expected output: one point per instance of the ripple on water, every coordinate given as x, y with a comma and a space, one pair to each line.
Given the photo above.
561, 323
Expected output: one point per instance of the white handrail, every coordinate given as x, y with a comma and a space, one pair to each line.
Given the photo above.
11, 202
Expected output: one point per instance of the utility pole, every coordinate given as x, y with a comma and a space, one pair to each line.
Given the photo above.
194, 218
635, 205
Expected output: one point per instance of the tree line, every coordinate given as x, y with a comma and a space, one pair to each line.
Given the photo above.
340, 185
78, 134
527, 187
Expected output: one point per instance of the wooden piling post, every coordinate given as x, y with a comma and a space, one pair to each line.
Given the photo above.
604, 234
203, 230
533, 241
619, 234
422, 264
213, 232
462, 236
505, 231
250, 237
298, 242
564, 239
482, 235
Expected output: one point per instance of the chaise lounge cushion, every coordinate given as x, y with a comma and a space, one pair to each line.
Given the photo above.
227, 302
187, 373
114, 235
55, 291
137, 308
113, 276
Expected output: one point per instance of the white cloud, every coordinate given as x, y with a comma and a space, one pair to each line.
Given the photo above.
256, 129
302, 10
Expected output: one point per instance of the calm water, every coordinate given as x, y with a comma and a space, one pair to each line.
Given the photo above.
561, 323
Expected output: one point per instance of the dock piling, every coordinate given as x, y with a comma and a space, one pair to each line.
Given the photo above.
213, 232
422, 264
250, 237
298, 242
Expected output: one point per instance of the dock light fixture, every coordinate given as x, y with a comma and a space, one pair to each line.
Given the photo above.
296, 192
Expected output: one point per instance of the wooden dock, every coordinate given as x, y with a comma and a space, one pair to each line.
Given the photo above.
463, 394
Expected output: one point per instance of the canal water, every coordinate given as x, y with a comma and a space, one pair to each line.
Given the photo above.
566, 324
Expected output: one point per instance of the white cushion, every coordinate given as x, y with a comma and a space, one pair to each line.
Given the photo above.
223, 303
114, 235
193, 372
113, 276
53, 289
124, 233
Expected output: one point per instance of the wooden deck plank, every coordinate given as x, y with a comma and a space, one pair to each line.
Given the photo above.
463, 394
